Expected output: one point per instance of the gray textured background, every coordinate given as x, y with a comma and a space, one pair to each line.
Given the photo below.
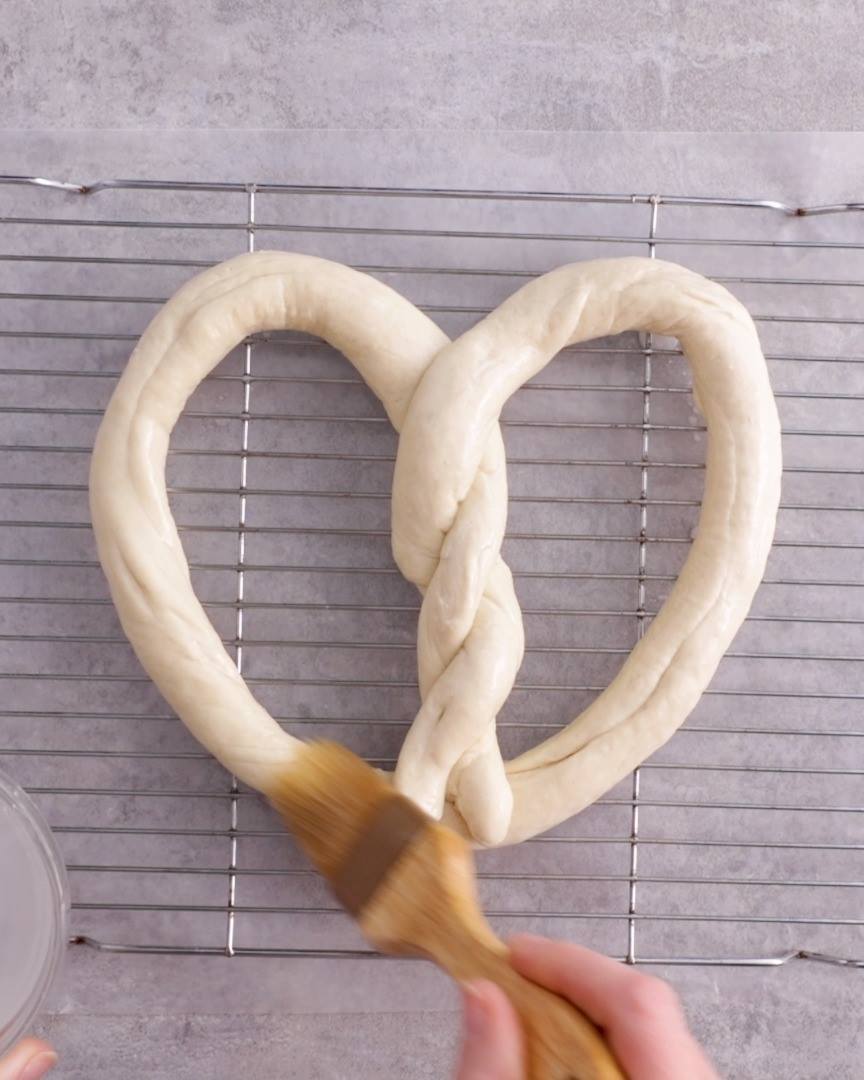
548, 65
436, 72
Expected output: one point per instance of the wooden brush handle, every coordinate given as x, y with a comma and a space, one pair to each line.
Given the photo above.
562, 1043
426, 906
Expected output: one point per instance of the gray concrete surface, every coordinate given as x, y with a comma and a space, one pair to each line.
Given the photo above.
549, 65
167, 1018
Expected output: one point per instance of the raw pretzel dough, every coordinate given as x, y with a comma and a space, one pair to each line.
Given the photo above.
449, 512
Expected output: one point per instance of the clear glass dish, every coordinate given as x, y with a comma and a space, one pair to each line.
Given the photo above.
34, 911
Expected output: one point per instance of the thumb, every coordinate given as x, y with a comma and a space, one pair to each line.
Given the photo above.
30, 1060
493, 1046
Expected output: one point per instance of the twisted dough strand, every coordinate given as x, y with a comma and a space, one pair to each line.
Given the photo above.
457, 406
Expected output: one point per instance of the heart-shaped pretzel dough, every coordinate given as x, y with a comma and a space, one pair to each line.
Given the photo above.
449, 513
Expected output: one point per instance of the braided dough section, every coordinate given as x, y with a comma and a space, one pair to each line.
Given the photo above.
455, 414
390, 343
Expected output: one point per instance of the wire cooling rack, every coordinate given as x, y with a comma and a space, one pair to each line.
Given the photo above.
740, 842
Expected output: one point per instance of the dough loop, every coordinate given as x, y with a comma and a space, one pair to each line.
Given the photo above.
449, 511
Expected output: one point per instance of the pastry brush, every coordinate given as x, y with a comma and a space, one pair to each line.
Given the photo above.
409, 882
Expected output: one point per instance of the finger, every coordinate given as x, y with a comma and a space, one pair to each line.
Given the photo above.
31, 1059
590, 980
641, 1015
493, 1047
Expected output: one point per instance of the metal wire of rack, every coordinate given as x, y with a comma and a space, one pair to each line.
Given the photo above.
740, 842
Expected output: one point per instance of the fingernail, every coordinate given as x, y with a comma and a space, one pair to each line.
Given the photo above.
476, 1015
38, 1066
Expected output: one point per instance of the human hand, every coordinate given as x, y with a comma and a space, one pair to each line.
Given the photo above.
639, 1015
30, 1059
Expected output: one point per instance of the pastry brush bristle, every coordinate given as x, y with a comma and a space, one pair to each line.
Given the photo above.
326, 796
